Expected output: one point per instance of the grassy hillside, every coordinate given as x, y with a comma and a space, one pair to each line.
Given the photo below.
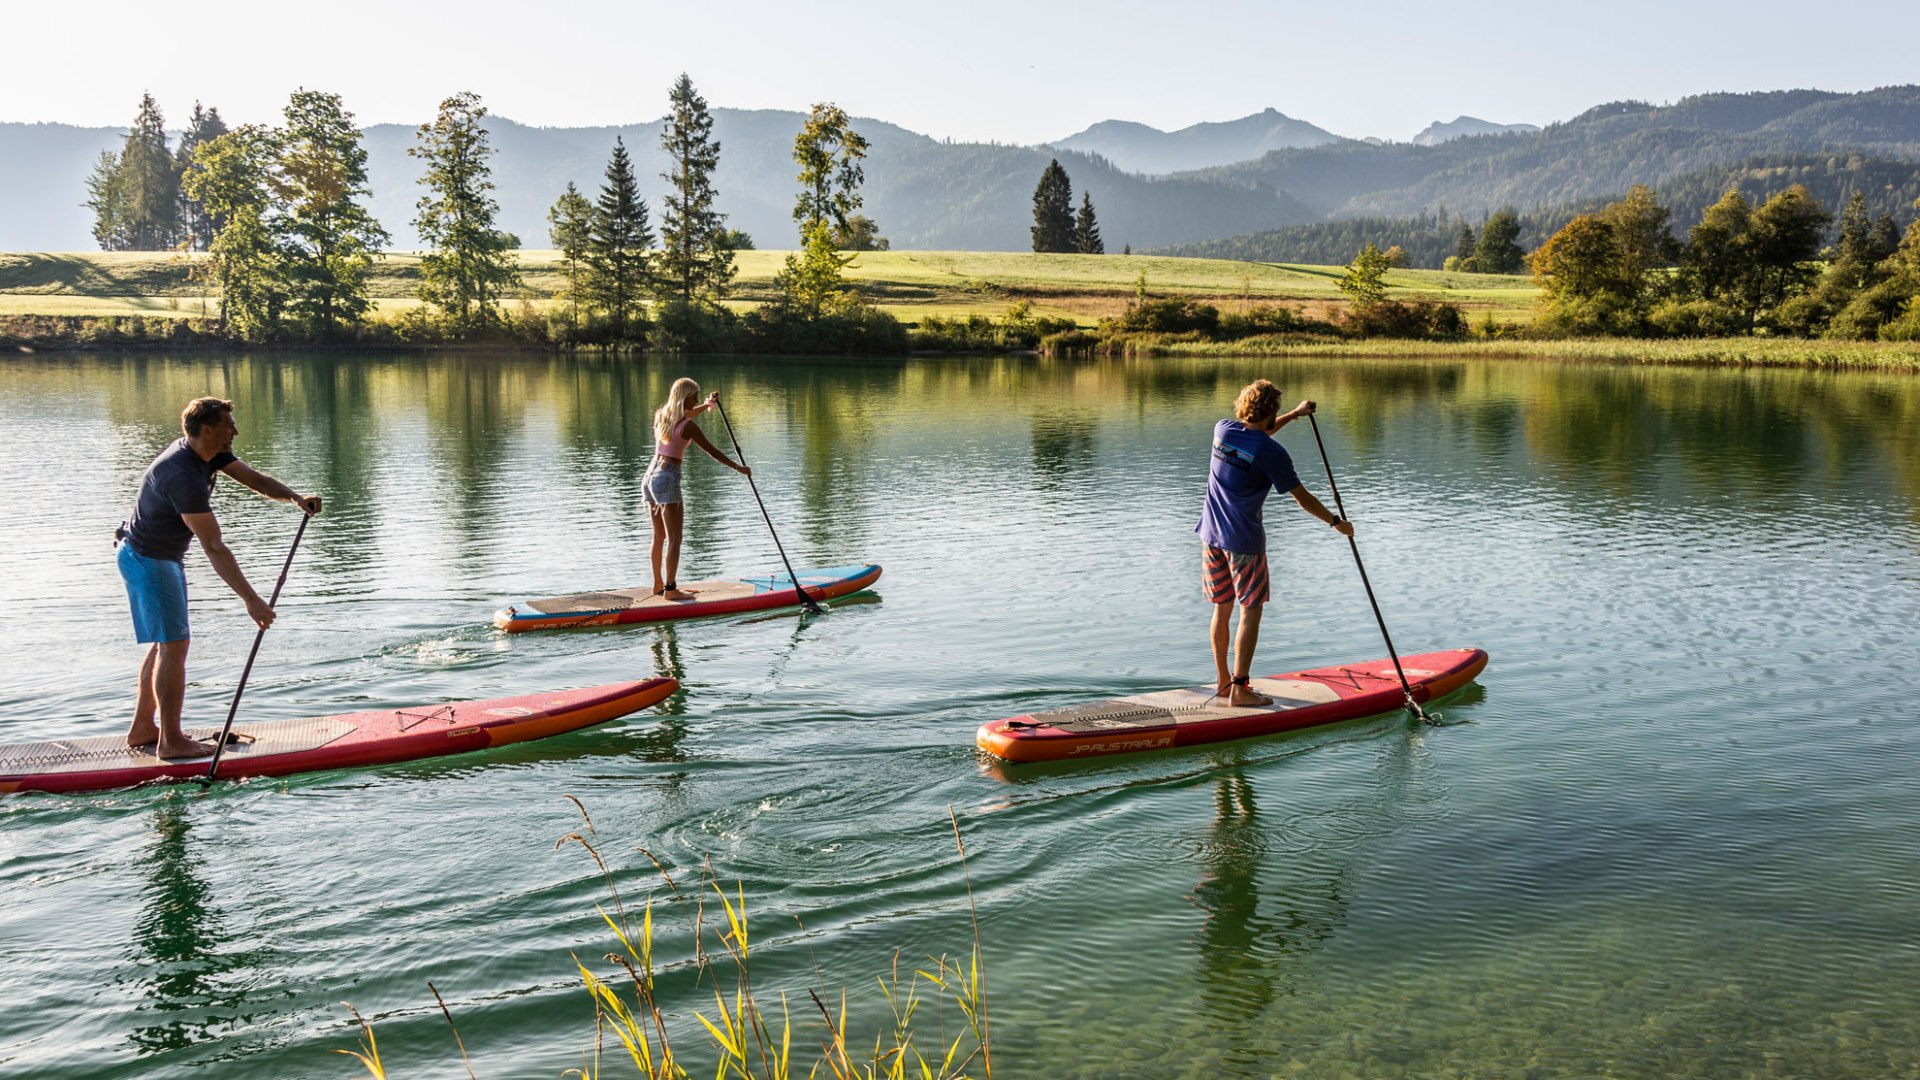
909, 284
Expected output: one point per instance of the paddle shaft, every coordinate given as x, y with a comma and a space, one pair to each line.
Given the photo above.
805, 600
1341, 509
234, 708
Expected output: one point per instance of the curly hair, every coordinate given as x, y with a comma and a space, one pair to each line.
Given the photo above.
1258, 403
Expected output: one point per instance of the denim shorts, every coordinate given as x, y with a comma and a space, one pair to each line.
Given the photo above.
661, 486
157, 593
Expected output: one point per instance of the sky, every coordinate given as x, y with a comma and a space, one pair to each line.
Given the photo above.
983, 70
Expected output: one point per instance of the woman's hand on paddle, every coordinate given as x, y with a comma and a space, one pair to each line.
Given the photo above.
713, 399
741, 469
309, 503
1343, 527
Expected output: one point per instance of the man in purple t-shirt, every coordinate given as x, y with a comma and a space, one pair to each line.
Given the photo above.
1247, 464
175, 507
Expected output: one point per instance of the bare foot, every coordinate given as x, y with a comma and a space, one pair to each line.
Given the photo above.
677, 594
143, 733
1241, 697
185, 748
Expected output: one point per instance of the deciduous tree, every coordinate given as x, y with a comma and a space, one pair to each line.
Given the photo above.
231, 179
1498, 251
860, 233
1365, 281
469, 265
829, 153
319, 183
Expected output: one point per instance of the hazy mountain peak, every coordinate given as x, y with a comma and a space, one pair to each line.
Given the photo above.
1141, 148
1462, 126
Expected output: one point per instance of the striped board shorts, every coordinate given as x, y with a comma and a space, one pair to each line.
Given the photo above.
1233, 575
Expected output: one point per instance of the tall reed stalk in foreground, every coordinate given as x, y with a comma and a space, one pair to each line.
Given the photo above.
751, 1040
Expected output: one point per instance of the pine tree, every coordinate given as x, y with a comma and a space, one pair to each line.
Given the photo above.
570, 227
148, 182
617, 257
1086, 231
1463, 246
694, 264
1053, 210
197, 228
470, 264
332, 237
107, 198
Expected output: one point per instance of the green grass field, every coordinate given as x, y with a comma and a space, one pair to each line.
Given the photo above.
909, 284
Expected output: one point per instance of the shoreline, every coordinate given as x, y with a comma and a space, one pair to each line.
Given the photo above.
1786, 353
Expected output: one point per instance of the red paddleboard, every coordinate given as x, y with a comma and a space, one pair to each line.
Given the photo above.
281, 747
1193, 716
725, 596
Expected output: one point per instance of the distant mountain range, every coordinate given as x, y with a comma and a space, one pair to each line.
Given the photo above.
1260, 174
1462, 126
924, 193
1142, 149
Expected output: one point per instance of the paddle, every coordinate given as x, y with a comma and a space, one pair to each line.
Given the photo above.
221, 746
1340, 508
805, 600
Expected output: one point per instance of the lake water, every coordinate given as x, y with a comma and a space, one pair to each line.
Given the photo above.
1671, 832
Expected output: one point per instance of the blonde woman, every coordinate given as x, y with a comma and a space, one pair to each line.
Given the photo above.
674, 427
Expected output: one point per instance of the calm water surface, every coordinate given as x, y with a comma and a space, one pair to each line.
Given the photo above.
1671, 833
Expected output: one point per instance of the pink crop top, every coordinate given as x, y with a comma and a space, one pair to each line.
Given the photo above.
675, 444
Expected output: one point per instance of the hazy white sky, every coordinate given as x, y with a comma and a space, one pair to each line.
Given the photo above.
1019, 71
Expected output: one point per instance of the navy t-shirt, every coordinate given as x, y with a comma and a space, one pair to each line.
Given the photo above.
178, 482
1246, 465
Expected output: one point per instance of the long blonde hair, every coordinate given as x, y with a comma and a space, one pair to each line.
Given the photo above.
667, 418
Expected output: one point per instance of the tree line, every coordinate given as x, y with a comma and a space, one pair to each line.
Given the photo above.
281, 212
136, 195
1431, 238
1744, 267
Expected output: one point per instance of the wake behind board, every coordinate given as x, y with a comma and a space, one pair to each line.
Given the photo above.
724, 596
1189, 717
283, 747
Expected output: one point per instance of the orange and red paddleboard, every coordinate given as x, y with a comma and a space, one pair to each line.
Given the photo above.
282, 747
724, 596
1189, 717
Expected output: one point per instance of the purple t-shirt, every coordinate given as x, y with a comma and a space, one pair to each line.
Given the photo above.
178, 482
1246, 465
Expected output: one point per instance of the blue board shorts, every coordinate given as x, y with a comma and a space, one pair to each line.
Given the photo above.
157, 592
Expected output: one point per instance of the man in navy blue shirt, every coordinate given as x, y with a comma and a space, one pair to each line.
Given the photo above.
1247, 463
174, 507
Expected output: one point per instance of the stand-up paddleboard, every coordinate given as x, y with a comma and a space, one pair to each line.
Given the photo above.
725, 596
1189, 717
281, 747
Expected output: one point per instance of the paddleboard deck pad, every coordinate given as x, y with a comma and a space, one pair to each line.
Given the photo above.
1189, 717
725, 596
282, 747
